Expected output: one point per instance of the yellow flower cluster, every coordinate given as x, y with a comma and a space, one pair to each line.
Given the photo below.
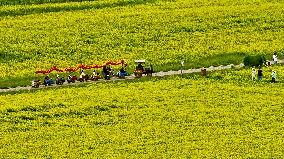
168, 118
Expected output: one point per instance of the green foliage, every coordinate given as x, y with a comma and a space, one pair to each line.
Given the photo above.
254, 60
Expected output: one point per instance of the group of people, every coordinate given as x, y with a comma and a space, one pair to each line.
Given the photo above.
107, 73
260, 73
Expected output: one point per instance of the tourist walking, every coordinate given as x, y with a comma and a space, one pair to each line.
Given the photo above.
259, 74
273, 76
253, 73
275, 58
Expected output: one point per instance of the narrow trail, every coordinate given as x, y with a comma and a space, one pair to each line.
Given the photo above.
131, 77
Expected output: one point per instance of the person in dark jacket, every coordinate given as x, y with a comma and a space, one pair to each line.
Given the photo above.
122, 72
259, 74
140, 67
47, 81
105, 72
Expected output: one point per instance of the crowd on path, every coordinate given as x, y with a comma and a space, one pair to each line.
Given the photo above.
260, 72
107, 73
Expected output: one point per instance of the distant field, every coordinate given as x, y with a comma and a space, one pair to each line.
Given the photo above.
203, 33
22, 2
174, 117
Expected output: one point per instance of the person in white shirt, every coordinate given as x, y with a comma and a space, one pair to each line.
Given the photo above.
82, 74
275, 58
253, 74
273, 76
94, 73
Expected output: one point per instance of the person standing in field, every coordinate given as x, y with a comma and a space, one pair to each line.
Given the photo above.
275, 58
253, 73
273, 76
259, 74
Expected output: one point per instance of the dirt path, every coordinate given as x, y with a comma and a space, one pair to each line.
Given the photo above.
157, 74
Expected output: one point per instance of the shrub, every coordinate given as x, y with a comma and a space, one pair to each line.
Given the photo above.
254, 60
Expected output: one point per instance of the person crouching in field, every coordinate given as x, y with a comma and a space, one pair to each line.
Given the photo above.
273, 76
253, 73
105, 73
82, 76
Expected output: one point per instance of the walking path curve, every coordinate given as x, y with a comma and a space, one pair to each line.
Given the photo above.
157, 74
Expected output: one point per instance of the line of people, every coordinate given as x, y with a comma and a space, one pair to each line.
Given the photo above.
107, 73
260, 75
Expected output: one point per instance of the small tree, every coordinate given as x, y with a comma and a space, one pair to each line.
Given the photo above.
254, 60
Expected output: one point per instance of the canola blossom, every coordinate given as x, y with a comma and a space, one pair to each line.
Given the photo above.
64, 34
222, 115
176, 117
